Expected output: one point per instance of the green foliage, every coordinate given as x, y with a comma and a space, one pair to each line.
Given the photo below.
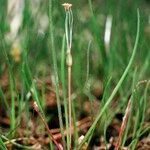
2, 145
42, 45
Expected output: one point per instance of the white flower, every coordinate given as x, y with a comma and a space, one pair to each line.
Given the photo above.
67, 6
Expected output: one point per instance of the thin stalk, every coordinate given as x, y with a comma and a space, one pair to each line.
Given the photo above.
68, 33
129, 119
35, 94
35, 106
117, 86
88, 61
123, 126
75, 128
64, 87
12, 91
69, 102
51, 30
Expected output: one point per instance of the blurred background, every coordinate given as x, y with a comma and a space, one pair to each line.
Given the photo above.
110, 27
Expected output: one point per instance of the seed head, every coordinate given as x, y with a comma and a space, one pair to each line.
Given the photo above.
67, 6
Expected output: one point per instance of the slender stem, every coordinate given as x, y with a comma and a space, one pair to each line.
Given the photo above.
68, 33
124, 123
54, 59
88, 61
69, 102
69, 65
63, 81
35, 106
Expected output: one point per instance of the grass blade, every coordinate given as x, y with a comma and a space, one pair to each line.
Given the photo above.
117, 86
51, 32
2, 145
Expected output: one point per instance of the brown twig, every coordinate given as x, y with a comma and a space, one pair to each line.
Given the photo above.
124, 123
35, 106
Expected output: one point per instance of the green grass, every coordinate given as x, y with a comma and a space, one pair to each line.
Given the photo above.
117, 86
2, 145
43, 56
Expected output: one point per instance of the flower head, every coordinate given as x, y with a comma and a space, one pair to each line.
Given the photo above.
67, 6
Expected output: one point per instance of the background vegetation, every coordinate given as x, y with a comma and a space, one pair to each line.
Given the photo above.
27, 70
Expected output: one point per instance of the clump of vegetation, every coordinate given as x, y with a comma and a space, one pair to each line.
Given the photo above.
74, 82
